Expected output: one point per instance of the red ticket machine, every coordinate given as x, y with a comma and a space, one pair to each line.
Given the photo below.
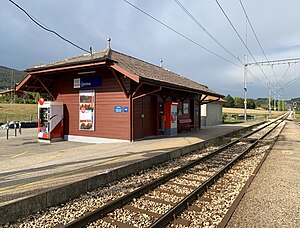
170, 114
50, 121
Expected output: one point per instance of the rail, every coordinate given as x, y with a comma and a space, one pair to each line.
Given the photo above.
180, 206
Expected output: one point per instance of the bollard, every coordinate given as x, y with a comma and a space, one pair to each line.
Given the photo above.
7, 130
20, 128
15, 128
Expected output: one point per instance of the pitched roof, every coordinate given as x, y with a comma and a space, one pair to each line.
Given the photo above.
140, 68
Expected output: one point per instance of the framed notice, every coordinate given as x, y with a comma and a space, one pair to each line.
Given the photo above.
86, 110
185, 108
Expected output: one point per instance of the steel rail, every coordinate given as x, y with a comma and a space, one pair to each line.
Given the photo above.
111, 206
183, 204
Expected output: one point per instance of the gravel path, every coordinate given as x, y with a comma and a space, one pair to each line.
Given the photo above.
273, 198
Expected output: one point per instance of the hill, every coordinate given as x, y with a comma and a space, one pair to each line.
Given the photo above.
6, 77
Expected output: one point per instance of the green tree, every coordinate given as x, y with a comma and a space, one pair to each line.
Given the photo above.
251, 103
238, 102
229, 101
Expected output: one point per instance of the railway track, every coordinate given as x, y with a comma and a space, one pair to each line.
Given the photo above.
160, 202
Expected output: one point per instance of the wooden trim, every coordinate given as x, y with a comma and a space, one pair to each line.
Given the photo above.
45, 87
137, 88
131, 118
201, 100
210, 101
23, 82
119, 82
126, 73
146, 94
67, 68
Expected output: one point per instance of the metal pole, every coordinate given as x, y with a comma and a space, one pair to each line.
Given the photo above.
274, 100
20, 128
7, 130
15, 128
245, 90
269, 99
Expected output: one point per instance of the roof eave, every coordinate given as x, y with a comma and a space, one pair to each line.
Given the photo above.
183, 88
70, 64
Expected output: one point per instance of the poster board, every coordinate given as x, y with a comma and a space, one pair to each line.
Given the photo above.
87, 110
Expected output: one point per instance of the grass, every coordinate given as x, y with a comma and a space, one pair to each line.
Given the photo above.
230, 115
18, 112
297, 117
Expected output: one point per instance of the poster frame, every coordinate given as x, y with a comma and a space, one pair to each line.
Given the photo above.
85, 112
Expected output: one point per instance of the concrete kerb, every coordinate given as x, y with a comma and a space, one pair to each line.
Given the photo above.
22, 208
26, 206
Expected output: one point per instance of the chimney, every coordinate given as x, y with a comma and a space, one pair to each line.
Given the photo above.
108, 42
161, 63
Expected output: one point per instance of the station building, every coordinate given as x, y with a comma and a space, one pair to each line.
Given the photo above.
212, 113
108, 95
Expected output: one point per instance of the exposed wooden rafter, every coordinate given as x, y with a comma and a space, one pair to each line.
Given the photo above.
120, 82
210, 101
149, 93
137, 89
45, 87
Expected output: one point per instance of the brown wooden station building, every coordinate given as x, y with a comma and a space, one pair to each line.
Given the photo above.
127, 98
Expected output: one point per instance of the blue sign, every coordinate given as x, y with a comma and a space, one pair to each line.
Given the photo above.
125, 109
87, 82
118, 108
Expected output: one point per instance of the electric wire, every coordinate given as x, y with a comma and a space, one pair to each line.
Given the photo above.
287, 69
221, 8
275, 75
179, 33
261, 83
205, 30
261, 48
47, 29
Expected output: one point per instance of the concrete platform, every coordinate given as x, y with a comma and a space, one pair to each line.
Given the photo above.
36, 175
273, 198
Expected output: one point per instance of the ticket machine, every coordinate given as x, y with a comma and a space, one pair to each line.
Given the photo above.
170, 117
50, 121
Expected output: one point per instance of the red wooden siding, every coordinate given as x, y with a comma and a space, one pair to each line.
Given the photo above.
108, 124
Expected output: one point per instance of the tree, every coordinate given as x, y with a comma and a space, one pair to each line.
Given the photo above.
238, 102
251, 104
229, 101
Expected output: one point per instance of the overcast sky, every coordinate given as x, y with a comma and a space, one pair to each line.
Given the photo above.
89, 23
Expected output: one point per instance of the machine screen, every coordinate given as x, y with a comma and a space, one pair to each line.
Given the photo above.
43, 117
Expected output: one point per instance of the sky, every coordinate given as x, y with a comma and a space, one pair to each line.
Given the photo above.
193, 54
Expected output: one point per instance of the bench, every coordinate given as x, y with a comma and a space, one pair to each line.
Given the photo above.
186, 124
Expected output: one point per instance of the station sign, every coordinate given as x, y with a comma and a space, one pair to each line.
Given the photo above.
87, 82
118, 109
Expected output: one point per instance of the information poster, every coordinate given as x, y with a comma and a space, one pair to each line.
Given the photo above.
174, 116
86, 109
185, 108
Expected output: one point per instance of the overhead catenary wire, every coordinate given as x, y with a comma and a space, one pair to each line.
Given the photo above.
180, 34
287, 69
47, 29
239, 36
261, 48
205, 30
260, 83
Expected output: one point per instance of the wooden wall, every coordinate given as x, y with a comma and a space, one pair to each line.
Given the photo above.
108, 124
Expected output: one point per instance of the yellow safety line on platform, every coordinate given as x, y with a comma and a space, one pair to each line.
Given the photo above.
56, 155
18, 155
64, 174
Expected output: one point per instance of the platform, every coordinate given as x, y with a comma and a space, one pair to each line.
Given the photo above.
273, 198
43, 174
